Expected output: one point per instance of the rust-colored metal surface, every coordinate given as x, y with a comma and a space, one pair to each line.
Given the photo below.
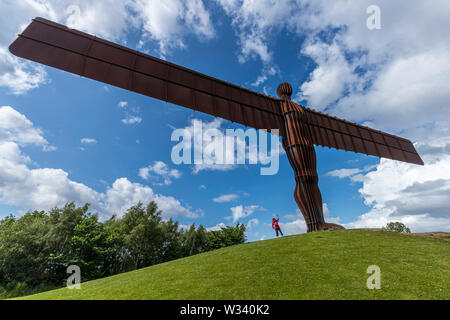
298, 143
73, 51
335, 133
55, 45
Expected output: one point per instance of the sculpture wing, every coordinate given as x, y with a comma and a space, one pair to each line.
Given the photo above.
340, 134
73, 51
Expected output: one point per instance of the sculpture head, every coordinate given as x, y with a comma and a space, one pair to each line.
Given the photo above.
284, 91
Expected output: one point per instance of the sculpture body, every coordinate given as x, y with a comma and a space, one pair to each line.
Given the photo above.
299, 147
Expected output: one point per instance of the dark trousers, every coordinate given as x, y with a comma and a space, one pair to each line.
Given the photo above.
278, 230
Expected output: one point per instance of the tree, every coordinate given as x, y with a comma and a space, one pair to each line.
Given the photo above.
62, 223
225, 237
171, 247
195, 240
142, 235
23, 251
397, 227
92, 248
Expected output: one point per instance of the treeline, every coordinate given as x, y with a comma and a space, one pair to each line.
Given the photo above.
37, 248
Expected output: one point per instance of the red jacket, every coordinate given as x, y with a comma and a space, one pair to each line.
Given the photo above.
275, 223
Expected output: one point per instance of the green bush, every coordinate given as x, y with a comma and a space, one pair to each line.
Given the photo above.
225, 237
397, 227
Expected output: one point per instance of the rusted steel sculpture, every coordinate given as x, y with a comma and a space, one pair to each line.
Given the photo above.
301, 128
299, 146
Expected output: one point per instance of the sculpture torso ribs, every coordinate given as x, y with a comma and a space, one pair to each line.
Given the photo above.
300, 151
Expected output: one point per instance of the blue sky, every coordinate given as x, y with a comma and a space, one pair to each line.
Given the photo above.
68, 138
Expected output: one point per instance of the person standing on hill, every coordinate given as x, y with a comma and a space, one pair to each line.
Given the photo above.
276, 226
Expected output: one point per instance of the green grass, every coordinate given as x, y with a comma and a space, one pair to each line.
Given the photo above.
325, 265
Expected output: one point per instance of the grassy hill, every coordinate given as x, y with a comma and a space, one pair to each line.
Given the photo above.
325, 265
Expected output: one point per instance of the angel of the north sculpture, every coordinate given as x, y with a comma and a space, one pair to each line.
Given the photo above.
301, 128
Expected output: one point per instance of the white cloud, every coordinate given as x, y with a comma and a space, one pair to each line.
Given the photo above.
267, 72
209, 163
226, 198
123, 194
391, 79
16, 128
198, 136
344, 173
406, 94
132, 119
328, 217
254, 23
295, 227
122, 104
291, 216
329, 80
326, 210
355, 174
415, 195
88, 141
166, 22
252, 223
162, 170
217, 227
18, 76
240, 212
404, 192
169, 21
45, 188
254, 45
106, 18
131, 113
297, 224
40, 188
